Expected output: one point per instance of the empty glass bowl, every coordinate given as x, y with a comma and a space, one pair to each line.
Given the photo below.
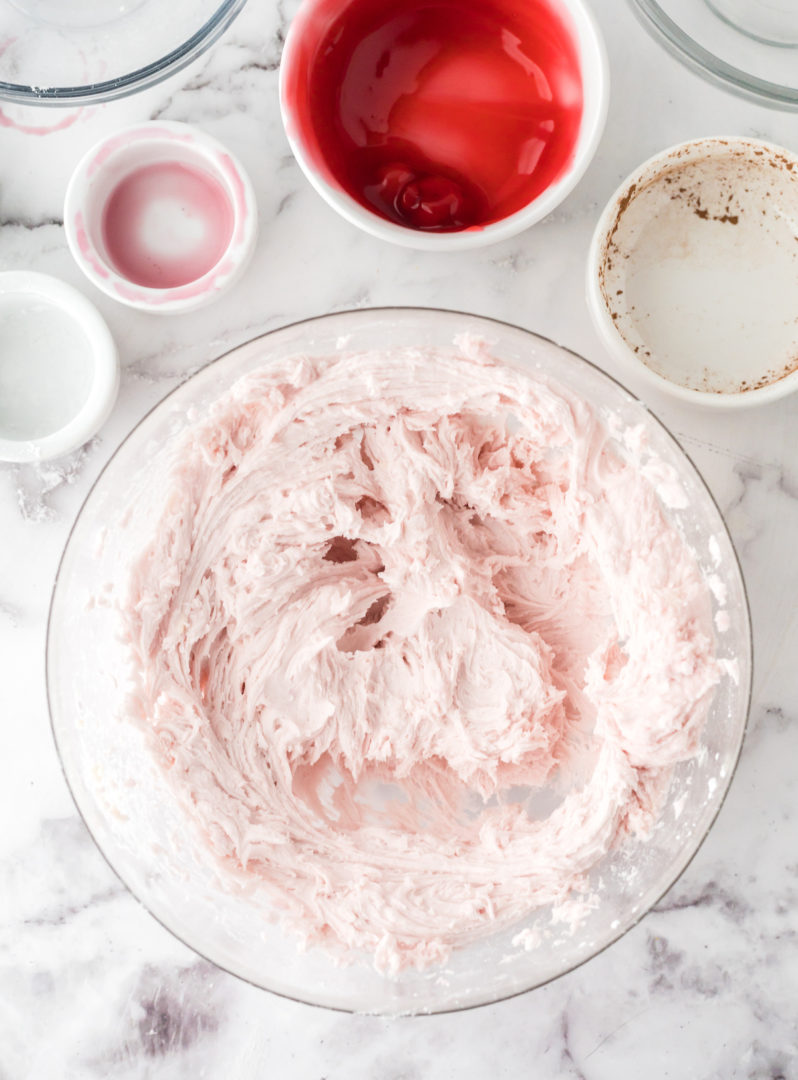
747, 46
145, 834
772, 21
80, 52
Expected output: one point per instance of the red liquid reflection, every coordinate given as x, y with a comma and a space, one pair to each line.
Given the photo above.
444, 115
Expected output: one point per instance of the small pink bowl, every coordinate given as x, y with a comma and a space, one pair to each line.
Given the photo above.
131, 153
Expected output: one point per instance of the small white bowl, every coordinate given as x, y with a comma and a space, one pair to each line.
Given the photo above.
692, 276
171, 227
59, 368
595, 87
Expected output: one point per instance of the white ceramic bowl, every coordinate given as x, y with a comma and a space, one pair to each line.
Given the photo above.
59, 368
117, 157
595, 81
692, 276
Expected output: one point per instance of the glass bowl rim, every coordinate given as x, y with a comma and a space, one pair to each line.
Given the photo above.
706, 64
139, 79
388, 310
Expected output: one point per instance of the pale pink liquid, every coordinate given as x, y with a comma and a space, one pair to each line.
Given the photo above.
166, 225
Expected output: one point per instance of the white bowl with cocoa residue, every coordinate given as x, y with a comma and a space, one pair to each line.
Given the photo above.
692, 276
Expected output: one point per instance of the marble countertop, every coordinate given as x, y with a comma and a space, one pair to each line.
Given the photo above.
705, 988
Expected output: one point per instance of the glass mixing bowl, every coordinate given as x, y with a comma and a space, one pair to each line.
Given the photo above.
80, 52
144, 833
747, 46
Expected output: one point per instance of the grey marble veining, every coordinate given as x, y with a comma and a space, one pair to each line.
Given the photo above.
706, 986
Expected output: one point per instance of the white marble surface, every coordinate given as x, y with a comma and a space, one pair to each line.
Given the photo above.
90, 986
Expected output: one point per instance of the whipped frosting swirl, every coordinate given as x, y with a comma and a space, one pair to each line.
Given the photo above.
394, 604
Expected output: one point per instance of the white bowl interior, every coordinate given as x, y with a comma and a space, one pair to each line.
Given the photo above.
143, 832
695, 261
59, 369
96, 180
108, 163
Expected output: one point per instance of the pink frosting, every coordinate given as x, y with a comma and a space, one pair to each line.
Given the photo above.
415, 646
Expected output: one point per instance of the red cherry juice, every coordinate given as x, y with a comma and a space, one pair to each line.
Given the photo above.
439, 115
